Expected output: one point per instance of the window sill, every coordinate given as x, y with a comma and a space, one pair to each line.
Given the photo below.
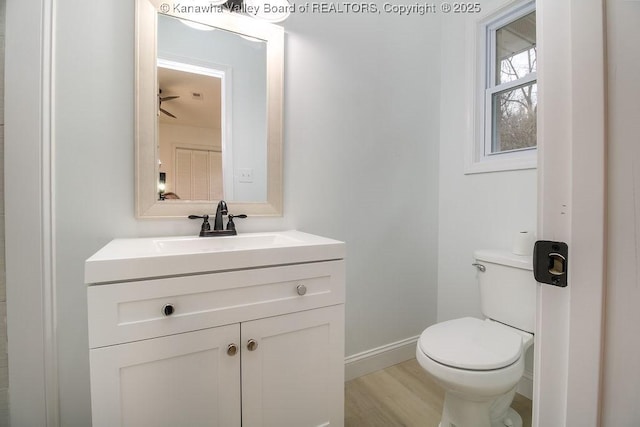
502, 164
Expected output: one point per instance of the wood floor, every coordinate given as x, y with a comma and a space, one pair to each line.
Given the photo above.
403, 395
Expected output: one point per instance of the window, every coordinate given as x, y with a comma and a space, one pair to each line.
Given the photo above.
508, 103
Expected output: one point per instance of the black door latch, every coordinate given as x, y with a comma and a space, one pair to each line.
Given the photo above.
550, 262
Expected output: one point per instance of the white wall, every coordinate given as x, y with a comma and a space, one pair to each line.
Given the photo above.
360, 164
361, 161
477, 211
622, 342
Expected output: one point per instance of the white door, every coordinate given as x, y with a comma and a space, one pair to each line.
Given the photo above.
215, 176
178, 380
198, 174
571, 209
294, 376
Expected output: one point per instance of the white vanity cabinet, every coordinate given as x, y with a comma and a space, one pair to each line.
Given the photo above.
261, 345
295, 376
182, 379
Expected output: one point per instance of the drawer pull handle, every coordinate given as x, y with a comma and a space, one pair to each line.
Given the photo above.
302, 289
168, 309
232, 349
252, 345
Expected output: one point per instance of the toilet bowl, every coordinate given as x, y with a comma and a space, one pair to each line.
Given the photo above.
479, 363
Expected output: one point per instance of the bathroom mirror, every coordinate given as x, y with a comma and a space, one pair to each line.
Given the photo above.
208, 111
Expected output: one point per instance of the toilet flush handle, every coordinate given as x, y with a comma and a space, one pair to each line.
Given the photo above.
480, 267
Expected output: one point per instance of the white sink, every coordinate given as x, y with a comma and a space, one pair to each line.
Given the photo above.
225, 243
127, 259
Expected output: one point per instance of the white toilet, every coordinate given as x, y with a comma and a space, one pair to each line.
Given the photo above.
480, 362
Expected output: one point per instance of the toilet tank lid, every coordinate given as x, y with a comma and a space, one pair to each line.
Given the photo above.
524, 262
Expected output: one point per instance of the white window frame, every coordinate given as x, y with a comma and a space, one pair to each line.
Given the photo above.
479, 157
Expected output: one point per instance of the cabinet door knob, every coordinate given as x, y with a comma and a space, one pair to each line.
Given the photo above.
302, 289
168, 309
232, 349
252, 345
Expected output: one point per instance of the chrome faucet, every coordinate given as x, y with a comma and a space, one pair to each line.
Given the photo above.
218, 222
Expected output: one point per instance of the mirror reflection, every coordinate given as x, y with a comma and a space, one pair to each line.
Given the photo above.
212, 113
189, 134
208, 112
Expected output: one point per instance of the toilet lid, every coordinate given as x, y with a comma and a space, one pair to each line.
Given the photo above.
470, 343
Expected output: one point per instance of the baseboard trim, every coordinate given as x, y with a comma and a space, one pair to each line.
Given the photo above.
378, 358
525, 386
391, 354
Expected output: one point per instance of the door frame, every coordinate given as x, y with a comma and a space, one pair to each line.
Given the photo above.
30, 213
571, 208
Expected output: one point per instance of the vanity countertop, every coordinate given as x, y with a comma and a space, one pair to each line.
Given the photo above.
139, 258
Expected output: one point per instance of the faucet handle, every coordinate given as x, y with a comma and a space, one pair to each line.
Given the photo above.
232, 225
205, 224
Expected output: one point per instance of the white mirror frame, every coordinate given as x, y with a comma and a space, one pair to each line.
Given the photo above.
146, 106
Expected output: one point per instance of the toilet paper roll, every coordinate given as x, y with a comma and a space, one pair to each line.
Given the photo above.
523, 243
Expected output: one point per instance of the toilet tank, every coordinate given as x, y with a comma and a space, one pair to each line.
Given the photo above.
507, 288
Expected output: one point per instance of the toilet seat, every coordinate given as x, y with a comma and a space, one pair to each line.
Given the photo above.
471, 344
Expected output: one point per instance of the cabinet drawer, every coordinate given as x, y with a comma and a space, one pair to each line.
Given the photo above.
131, 311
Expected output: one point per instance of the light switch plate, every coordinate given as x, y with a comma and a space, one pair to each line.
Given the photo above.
245, 175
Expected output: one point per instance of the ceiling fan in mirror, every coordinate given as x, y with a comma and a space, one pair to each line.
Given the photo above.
162, 99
